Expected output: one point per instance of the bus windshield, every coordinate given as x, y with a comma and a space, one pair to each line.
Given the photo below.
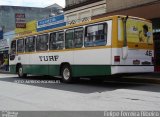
138, 31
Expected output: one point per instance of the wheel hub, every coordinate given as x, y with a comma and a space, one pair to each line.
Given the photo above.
66, 73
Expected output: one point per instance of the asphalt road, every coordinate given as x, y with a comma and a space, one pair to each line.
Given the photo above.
49, 94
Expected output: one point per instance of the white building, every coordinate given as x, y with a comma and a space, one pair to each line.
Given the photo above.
82, 10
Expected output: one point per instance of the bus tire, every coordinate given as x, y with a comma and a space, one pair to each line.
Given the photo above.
66, 74
20, 72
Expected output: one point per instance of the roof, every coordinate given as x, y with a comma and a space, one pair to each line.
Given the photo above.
54, 6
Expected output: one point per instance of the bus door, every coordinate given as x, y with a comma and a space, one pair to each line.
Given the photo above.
157, 51
12, 60
13, 50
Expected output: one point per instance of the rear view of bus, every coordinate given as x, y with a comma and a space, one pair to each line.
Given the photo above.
133, 51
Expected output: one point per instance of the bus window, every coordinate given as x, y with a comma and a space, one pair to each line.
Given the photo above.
56, 41
20, 45
42, 42
69, 39
78, 38
52, 43
60, 40
30, 44
96, 35
13, 47
138, 31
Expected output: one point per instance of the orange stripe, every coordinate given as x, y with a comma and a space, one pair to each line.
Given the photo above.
131, 46
137, 45
75, 49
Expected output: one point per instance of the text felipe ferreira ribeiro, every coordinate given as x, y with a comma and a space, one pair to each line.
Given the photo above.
132, 113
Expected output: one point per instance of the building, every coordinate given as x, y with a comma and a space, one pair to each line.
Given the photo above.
140, 8
81, 10
55, 9
78, 9
7, 14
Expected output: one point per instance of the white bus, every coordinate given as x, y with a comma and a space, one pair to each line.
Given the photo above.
106, 46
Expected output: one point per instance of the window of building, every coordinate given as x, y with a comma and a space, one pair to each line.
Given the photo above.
42, 42
20, 45
30, 44
96, 35
13, 47
69, 42
78, 37
56, 41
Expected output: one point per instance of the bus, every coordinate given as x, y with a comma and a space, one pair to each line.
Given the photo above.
100, 47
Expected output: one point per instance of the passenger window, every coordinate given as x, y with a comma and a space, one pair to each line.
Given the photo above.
42, 42
30, 44
20, 45
96, 35
78, 38
56, 41
69, 42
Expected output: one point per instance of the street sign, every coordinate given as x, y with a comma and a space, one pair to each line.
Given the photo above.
50, 23
85, 19
20, 20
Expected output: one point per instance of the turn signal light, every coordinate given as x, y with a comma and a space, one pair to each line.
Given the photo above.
116, 58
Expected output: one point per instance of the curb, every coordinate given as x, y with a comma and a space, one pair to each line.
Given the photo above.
144, 80
150, 78
5, 72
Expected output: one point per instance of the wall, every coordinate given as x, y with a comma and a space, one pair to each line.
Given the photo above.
72, 2
148, 11
113, 5
86, 11
31, 27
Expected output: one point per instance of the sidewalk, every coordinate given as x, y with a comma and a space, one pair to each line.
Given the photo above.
143, 78
5, 72
145, 75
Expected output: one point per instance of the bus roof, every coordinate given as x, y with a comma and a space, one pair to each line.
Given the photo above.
79, 24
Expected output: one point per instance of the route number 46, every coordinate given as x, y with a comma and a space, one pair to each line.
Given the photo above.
148, 53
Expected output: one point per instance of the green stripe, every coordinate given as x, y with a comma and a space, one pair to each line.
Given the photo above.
90, 70
54, 70
12, 69
42, 69
36, 69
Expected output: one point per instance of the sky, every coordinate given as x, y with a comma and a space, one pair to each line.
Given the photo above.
32, 3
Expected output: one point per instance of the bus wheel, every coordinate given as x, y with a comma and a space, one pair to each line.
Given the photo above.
66, 74
20, 72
